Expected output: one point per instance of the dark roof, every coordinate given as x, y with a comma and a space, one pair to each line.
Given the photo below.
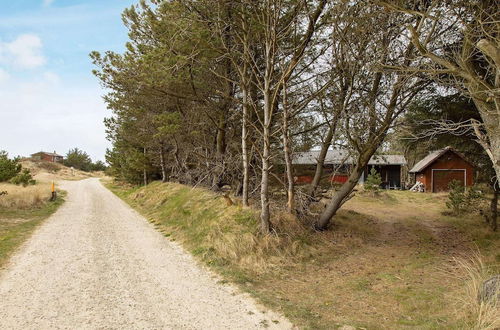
311, 157
46, 153
343, 157
430, 158
387, 160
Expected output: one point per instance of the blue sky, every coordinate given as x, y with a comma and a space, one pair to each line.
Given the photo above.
49, 99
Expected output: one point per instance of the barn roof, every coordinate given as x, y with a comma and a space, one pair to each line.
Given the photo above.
342, 156
430, 158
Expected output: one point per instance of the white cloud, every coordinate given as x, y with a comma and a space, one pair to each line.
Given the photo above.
47, 3
24, 52
48, 113
51, 77
4, 76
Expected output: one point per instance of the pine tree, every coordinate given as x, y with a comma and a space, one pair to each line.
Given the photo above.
373, 181
9, 168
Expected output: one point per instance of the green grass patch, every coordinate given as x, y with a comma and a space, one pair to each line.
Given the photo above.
17, 225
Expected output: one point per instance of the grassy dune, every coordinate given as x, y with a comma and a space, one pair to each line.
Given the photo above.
21, 211
391, 261
24, 198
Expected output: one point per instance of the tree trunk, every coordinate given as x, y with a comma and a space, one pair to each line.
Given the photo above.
164, 176
494, 207
491, 140
339, 105
288, 158
321, 159
265, 216
244, 147
494, 144
144, 171
221, 136
340, 197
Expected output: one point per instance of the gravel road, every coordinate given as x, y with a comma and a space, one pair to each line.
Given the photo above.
97, 264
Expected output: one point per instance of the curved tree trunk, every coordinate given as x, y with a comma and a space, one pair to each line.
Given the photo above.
340, 197
321, 159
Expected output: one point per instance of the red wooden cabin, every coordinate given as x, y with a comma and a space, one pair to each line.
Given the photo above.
440, 167
47, 157
338, 164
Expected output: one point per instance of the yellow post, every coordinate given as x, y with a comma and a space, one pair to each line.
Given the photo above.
54, 194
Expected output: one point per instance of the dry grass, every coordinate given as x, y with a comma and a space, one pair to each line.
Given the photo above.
21, 211
23, 198
48, 171
379, 267
477, 313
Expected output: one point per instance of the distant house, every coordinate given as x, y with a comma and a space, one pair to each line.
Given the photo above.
338, 164
439, 168
47, 156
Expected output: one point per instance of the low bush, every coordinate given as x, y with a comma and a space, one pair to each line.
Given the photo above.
9, 168
461, 200
49, 166
24, 178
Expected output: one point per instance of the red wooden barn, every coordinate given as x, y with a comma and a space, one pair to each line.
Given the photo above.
440, 167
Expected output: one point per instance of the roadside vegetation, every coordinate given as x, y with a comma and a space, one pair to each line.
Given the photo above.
11, 170
80, 160
223, 93
24, 201
386, 264
22, 209
216, 98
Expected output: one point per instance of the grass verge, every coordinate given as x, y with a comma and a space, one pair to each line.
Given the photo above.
385, 264
21, 211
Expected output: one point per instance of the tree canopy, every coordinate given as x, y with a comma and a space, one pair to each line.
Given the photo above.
222, 93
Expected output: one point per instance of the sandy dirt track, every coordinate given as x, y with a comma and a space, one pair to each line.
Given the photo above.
97, 264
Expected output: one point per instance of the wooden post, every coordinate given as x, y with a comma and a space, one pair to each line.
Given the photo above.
54, 193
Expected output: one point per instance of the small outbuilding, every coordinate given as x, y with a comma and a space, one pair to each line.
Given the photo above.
438, 169
47, 157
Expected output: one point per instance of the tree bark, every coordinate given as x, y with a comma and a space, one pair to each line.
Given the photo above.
494, 207
491, 140
265, 216
164, 176
288, 158
221, 136
144, 171
244, 147
340, 197
321, 158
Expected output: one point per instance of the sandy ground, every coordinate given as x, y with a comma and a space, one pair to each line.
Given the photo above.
97, 264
